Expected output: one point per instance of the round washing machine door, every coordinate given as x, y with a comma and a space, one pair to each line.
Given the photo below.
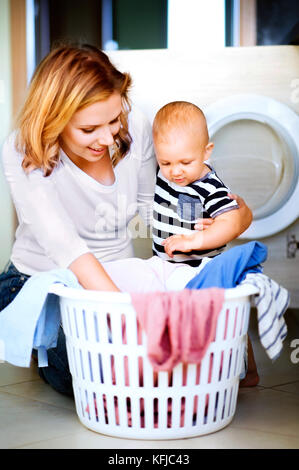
257, 155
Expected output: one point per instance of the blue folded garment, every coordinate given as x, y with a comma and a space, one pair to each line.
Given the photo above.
230, 268
32, 319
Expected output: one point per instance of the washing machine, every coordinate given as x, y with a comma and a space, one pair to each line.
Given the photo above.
257, 153
250, 96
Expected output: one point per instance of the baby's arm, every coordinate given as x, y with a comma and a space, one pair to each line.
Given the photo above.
225, 228
244, 211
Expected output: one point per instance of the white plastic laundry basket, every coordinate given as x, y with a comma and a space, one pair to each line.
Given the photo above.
116, 390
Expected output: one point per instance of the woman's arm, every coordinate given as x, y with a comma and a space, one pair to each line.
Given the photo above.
91, 274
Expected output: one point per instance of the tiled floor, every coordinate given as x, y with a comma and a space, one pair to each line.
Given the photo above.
33, 416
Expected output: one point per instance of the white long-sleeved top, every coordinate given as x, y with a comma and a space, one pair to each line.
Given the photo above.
68, 213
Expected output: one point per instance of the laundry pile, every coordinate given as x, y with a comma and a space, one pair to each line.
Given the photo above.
179, 325
32, 320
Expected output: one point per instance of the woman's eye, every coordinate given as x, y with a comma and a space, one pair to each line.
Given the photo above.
87, 131
115, 121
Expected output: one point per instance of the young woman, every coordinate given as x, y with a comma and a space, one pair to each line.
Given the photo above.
80, 165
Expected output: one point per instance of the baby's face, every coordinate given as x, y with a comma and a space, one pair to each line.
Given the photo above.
181, 158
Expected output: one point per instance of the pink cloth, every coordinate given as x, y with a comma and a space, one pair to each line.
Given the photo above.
179, 325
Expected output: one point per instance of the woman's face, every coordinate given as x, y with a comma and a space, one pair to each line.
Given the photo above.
91, 130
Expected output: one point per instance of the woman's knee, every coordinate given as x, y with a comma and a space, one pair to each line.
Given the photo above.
59, 380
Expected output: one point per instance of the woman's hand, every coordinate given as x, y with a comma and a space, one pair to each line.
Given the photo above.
246, 214
240, 201
91, 274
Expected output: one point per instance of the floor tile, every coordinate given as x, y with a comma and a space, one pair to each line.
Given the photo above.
269, 411
228, 438
289, 388
278, 373
25, 421
40, 391
10, 374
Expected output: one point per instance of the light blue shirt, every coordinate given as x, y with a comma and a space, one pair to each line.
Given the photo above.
32, 319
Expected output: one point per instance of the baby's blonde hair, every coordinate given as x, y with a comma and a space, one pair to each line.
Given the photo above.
68, 79
180, 115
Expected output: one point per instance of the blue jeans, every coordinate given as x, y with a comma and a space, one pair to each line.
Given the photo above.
57, 374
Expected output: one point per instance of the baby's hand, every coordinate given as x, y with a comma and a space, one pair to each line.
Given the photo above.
182, 243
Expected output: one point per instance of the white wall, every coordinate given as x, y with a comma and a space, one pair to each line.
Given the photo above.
6, 210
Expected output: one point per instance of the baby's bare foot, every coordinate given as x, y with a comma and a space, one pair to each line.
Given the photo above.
250, 380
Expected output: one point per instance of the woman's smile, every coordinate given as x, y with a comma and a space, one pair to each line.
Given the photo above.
97, 151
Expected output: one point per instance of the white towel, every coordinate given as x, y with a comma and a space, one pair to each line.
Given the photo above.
271, 303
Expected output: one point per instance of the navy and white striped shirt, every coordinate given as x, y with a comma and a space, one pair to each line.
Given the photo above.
176, 209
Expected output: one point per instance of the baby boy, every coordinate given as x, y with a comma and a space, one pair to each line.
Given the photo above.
188, 189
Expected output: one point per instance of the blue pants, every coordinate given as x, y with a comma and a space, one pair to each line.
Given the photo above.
57, 374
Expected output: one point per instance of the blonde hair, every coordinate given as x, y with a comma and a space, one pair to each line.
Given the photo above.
180, 115
69, 78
